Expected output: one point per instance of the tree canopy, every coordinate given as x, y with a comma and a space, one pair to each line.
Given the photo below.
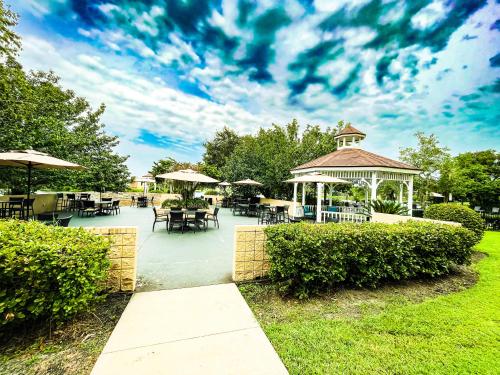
429, 156
37, 113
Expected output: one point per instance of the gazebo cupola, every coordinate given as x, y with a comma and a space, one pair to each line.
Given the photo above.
349, 137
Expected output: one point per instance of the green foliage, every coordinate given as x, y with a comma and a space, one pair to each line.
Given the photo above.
309, 258
169, 203
10, 43
269, 156
36, 112
429, 156
439, 327
191, 203
475, 177
211, 192
49, 272
163, 166
469, 218
220, 148
389, 207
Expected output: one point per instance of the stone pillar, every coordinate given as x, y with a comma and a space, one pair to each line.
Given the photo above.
410, 196
295, 184
319, 193
303, 194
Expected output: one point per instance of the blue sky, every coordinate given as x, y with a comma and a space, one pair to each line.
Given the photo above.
173, 72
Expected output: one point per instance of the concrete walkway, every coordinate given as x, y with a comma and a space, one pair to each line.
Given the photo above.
203, 330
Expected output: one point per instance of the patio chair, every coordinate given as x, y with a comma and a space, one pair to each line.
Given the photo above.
280, 214
198, 220
176, 218
265, 215
252, 209
87, 207
84, 196
28, 208
160, 217
60, 202
71, 202
106, 199
213, 217
15, 207
115, 207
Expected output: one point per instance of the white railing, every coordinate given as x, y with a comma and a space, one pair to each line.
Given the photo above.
343, 217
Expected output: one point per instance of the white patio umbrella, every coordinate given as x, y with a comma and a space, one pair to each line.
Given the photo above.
247, 182
30, 159
224, 184
188, 175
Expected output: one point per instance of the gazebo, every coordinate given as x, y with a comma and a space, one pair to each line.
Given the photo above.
350, 162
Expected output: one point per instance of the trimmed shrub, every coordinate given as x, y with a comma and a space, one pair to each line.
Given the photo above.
49, 272
456, 212
310, 258
191, 203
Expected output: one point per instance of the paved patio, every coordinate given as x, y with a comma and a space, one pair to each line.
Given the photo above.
175, 260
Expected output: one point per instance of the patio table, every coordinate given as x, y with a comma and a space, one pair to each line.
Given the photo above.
100, 205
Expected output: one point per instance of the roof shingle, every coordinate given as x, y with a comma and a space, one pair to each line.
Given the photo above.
354, 157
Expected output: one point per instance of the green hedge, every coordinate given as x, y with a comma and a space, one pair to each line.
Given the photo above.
310, 258
49, 272
461, 214
191, 203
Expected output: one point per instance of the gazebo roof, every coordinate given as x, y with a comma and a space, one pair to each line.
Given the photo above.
350, 130
354, 157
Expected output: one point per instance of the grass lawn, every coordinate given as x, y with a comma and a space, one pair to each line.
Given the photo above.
444, 326
67, 350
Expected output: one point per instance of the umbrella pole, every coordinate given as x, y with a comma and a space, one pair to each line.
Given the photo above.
29, 190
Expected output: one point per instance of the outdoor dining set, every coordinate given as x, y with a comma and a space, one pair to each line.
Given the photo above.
17, 207
86, 206
265, 213
185, 218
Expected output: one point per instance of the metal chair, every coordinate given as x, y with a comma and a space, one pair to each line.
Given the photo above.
213, 217
198, 220
16, 207
160, 218
27, 207
87, 207
176, 218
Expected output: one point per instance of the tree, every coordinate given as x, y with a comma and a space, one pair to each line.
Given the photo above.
269, 156
36, 112
10, 42
220, 148
476, 178
163, 166
429, 157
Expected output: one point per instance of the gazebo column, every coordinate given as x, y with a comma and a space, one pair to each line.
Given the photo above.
330, 189
410, 196
295, 199
303, 194
373, 186
319, 194
400, 192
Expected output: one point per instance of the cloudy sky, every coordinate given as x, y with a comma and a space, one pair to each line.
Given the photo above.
173, 72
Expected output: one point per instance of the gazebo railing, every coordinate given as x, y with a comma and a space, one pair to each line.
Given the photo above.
343, 217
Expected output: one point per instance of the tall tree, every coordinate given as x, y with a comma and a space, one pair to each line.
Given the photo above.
429, 157
10, 42
476, 178
36, 112
270, 155
220, 148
